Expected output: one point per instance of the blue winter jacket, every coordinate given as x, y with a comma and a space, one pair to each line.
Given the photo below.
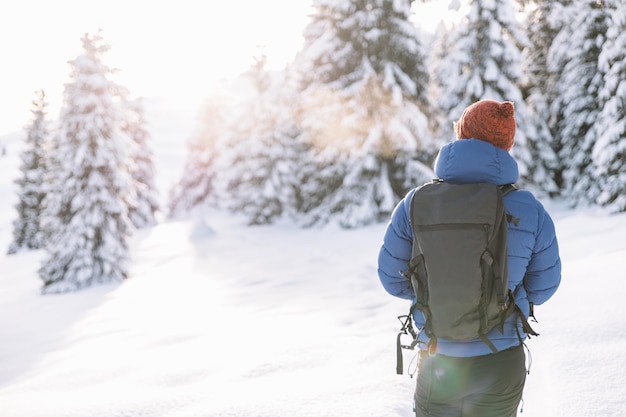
534, 263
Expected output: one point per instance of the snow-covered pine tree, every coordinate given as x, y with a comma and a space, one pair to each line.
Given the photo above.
543, 22
364, 82
609, 152
574, 113
264, 152
141, 162
197, 185
372, 165
480, 58
86, 209
27, 233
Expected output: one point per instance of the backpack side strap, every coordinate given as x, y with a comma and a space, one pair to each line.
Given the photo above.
525, 325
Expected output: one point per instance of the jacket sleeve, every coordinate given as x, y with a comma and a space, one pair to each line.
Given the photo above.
395, 253
543, 274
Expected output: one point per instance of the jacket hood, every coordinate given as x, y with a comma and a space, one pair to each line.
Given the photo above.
472, 161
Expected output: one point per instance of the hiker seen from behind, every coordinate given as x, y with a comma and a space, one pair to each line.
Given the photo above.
474, 254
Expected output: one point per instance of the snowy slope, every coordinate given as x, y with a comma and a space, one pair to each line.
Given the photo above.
219, 319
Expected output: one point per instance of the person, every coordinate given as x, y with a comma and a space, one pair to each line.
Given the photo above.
466, 378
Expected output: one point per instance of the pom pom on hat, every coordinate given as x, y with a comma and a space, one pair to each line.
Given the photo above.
490, 121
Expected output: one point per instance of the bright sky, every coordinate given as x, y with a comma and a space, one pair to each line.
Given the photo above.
176, 48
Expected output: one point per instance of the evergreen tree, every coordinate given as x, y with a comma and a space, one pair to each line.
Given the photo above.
198, 183
145, 205
264, 151
561, 18
544, 20
27, 232
88, 203
609, 151
364, 85
374, 164
349, 40
575, 112
481, 59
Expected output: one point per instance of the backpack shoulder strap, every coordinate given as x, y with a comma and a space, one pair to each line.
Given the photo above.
507, 188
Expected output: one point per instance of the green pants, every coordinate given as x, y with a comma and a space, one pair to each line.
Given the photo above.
481, 386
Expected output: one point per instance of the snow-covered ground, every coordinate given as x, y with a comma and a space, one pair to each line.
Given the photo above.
218, 319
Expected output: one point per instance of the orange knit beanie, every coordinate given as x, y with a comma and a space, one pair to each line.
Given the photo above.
489, 121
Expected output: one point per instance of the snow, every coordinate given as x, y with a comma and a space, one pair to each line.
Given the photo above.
219, 319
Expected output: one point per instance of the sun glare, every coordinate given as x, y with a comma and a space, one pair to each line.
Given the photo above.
161, 49
178, 52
